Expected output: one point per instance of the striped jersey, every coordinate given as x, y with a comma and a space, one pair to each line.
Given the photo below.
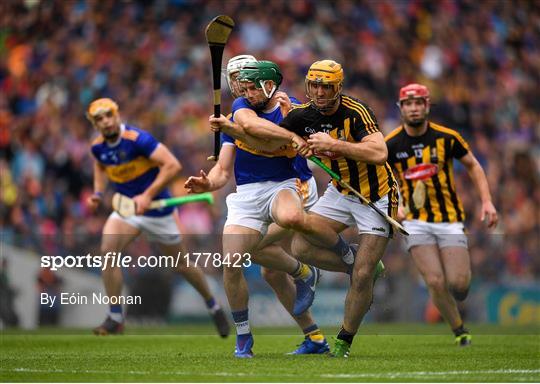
438, 145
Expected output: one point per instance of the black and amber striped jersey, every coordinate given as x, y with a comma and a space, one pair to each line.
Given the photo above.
438, 145
351, 122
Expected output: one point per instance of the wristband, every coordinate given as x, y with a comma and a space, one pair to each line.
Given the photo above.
99, 195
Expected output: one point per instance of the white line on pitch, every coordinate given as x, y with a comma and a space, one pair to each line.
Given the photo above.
389, 375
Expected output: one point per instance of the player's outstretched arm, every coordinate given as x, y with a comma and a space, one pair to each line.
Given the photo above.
262, 128
218, 176
489, 213
371, 149
222, 124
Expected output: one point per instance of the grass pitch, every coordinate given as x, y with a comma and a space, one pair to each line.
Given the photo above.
389, 353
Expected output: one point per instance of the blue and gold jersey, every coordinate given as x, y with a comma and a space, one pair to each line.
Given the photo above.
254, 165
128, 165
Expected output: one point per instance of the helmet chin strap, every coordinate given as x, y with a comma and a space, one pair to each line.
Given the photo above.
262, 83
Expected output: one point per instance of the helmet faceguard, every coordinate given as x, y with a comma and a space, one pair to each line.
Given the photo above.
233, 66
324, 73
259, 73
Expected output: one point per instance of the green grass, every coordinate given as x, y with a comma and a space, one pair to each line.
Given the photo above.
388, 353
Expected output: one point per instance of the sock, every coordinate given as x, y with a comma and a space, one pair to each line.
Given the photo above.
345, 336
314, 333
115, 313
341, 248
241, 322
302, 271
460, 330
212, 305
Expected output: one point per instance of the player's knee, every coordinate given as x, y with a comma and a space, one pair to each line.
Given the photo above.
459, 287
291, 220
459, 295
362, 277
436, 283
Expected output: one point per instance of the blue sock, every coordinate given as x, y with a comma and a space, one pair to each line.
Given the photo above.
241, 321
310, 329
341, 247
212, 305
115, 312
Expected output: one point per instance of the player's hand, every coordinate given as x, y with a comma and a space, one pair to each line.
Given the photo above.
142, 202
285, 104
199, 184
321, 142
219, 123
93, 202
489, 214
301, 146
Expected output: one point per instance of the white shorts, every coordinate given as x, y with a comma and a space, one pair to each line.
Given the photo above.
162, 230
441, 234
350, 211
251, 205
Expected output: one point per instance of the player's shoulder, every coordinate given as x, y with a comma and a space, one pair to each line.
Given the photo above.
132, 133
97, 141
239, 103
394, 135
444, 131
355, 106
299, 113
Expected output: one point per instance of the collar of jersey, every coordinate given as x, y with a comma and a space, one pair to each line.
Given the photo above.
122, 129
271, 109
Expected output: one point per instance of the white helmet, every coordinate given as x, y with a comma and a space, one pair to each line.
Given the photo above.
234, 65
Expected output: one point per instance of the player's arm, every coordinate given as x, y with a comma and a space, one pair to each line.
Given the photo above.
169, 166
479, 179
100, 183
269, 142
236, 131
218, 176
371, 149
262, 128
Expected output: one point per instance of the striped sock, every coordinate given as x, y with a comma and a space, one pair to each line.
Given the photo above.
314, 333
302, 271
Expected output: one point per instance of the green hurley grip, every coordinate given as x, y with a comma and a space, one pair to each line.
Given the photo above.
323, 166
174, 201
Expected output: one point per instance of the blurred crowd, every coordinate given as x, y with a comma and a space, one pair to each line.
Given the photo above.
481, 61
